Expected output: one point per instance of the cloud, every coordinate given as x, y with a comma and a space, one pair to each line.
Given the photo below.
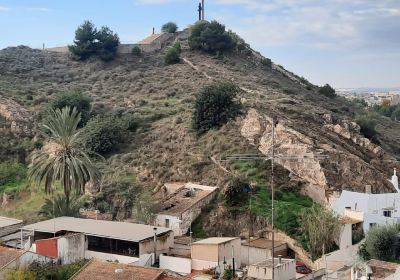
333, 24
38, 9
4, 9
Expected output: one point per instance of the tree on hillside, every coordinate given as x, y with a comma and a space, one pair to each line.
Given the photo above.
85, 44
89, 42
74, 99
327, 90
62, 160
210, 37
172, 56
108, 43
169, 27
321, 228
215, 105
367, 123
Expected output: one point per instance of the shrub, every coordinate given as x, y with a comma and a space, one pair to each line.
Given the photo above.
382, 242
136, 51
237, 191
367, 125
172, 55
103, 134
328, 91
11, 172
266, 62
210, 37
59, 206
169, 27
74, 99
89, 41
215, 105
20, 275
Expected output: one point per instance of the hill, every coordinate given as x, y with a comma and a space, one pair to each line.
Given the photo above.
165, 147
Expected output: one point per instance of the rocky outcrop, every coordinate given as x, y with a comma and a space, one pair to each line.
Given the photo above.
341, 170
19, 120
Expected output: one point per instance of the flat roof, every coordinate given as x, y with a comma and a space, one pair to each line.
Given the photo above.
268, 263
215, 240
183, 198
6, 222
108, 229
262, 243
96, 270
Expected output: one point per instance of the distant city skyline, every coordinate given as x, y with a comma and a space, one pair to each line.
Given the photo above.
348, 44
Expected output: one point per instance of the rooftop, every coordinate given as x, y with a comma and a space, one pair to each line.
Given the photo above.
108, 229
185, 198
96, 270
149, 39
268, 263
7, 255
263, 243
6, 222
215, 240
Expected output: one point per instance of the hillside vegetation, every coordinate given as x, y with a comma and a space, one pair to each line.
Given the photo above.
163, 145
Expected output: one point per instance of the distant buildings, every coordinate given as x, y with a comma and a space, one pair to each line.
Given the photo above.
285, 269
373, 97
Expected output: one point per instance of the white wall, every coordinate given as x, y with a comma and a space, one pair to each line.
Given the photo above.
71, 248
109, 257
179, 265
174, 223
345, 239
285, 271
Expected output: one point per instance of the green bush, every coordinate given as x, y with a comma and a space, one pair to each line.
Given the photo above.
382, 242
367, 125
169, 27
328, 91
74, 99
237, 191
172, 56
210, 37
20, 275
136, 51
103, 134
11, 173
215, 105
266, 62
89, 41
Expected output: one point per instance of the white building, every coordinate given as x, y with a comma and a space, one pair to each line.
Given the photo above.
285, 269
371, 209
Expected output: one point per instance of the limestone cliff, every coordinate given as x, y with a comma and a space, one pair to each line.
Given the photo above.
341, 170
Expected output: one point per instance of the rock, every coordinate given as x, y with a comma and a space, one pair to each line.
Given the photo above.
20, 119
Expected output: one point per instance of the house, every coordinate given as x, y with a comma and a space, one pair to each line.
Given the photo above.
285, 269
9, 226
96, 270
369, 208
104, 240
182, 204
257, 250
216, 252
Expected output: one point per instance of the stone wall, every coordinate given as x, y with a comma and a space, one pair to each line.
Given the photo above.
18, 119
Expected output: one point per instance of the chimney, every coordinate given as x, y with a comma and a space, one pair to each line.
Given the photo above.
395, 181
368, 189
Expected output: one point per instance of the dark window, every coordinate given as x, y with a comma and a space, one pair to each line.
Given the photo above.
113, 246
167, 223
387, 213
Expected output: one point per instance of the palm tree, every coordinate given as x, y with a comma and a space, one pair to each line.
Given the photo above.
59, 207
62, 159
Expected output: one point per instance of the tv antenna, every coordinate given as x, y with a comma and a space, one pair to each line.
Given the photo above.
272, 157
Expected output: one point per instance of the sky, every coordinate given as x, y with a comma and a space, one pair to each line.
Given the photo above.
346, 43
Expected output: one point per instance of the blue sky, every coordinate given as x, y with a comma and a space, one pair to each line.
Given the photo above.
347, 43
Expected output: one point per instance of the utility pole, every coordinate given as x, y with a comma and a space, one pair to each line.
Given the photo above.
272, 157
233, 262
155, 245
202, 8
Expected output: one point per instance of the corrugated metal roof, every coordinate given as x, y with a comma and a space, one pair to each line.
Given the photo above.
107, 229
215, 240
5, 222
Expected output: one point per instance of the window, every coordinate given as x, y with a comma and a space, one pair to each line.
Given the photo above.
167, 223
387, 213
348, 208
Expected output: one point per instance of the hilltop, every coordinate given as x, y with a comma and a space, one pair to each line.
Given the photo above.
165, 147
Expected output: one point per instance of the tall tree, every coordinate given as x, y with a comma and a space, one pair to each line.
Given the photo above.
62, 159
321, 228
85, 41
